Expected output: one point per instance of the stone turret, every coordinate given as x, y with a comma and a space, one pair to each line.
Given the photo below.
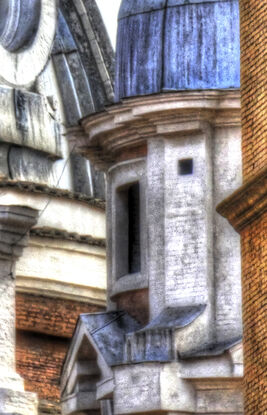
171, 339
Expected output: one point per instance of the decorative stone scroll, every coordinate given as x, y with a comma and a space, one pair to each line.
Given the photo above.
27, 30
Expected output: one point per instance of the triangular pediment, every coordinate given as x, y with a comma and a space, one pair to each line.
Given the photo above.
97, 346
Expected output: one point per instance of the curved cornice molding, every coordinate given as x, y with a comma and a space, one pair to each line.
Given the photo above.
132, 122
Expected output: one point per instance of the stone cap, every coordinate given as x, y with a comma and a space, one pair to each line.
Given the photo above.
175, 317
212, 349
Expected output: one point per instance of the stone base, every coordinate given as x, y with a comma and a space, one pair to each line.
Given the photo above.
14, 400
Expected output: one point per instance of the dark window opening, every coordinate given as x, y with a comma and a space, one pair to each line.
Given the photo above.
128, 249
134, 228
185, 167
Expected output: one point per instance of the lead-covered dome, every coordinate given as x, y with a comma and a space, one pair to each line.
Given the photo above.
171, 45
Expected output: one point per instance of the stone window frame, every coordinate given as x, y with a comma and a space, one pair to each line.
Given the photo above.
122, 175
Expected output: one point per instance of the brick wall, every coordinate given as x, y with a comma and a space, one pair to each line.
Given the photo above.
254, 259
52, 316
253, 14
136, 303
254, 236
133, 153
44, 328
246, 208
39, 361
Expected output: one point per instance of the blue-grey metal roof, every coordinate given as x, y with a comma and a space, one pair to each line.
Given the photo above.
130, 7
177, 45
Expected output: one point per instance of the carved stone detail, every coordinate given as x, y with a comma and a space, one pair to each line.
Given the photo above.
22, 68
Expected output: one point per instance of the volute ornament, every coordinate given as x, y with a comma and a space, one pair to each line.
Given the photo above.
27, 30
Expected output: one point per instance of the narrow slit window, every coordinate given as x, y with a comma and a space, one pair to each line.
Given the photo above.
128, 249
185, 167
134, 228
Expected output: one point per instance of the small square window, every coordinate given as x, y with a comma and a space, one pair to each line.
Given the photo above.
185, 167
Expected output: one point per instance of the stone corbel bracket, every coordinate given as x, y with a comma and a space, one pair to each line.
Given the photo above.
247, 203
15, 224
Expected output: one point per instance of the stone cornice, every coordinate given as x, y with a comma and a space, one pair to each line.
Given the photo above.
53, 233
39, 188
132, 122
247, 203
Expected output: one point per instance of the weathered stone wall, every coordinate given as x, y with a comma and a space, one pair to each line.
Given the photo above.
187, 216
15, 223
226, 243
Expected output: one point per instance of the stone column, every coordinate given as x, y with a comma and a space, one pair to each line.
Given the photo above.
15, 223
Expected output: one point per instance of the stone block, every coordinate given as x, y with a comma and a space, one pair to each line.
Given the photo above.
14, 402
28, 121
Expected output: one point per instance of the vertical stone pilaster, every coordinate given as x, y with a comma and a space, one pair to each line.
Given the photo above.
155, 225
15, 223
7, 317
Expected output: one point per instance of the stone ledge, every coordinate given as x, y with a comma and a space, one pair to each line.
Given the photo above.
247, 203
52, 233
60, 290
